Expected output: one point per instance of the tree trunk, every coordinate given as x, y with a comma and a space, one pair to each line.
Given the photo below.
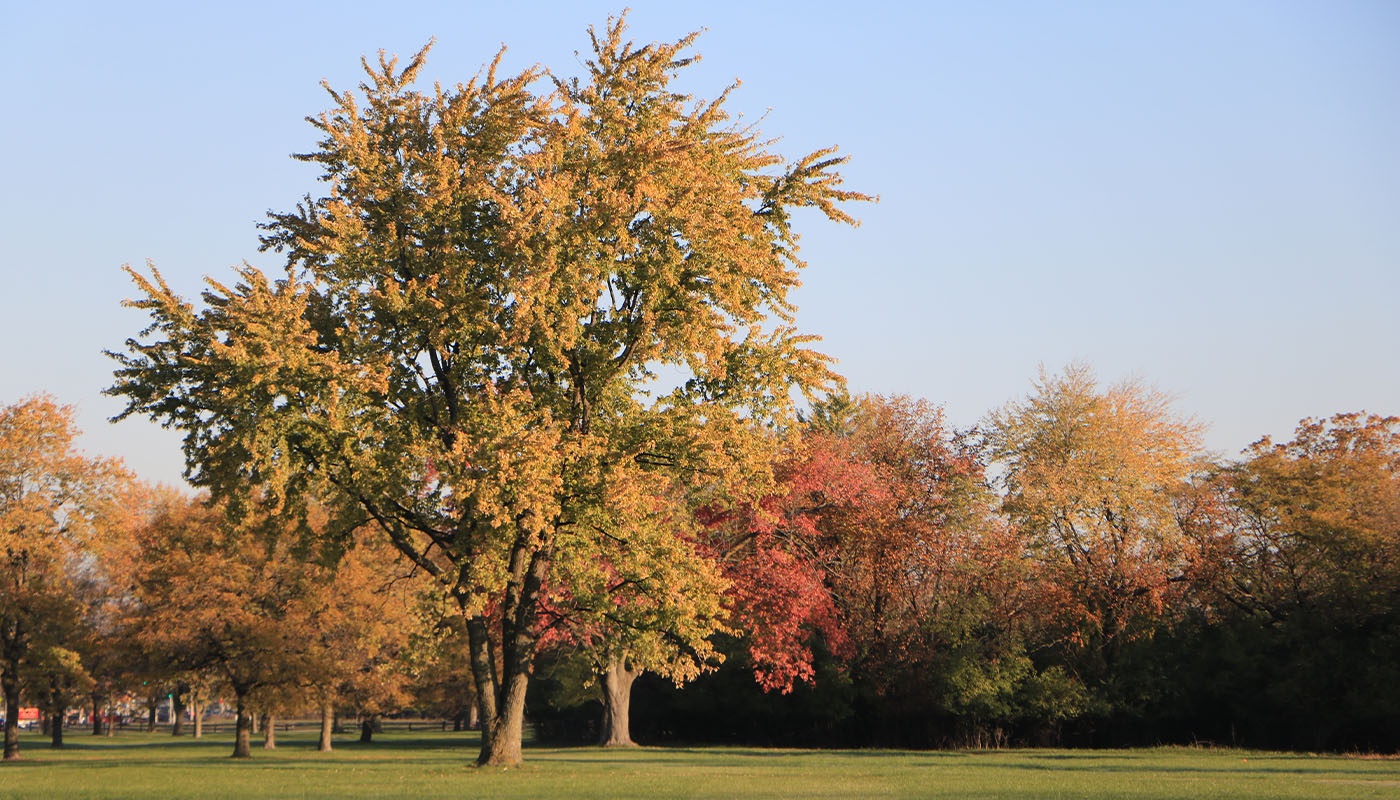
503, 747
111, 718
327, 723
484, 676
177, 709
503, 717
151, 704
367, 729
617, 700
270, 731
255, 719
97, 713
56, 729
242, 740
197, 711
10, 681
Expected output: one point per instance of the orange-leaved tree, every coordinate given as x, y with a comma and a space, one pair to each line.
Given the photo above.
227, 595
1093, 477
53, 500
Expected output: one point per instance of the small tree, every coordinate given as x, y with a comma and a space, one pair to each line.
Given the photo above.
226, 596
361, 632
645, 599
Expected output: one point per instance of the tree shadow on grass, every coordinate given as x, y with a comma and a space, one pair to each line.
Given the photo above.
716, 757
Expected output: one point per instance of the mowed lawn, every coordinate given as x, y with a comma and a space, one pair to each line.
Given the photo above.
437, 765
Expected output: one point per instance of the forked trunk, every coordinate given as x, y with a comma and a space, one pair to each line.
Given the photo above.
270, 732
617, 700
243, 728
327, 724
10, 679
501, 698
503, 747
56, 729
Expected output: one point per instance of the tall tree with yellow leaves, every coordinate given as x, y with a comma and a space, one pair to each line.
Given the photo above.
466, 345
1092, 476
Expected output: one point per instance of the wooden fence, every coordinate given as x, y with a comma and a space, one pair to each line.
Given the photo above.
349, 726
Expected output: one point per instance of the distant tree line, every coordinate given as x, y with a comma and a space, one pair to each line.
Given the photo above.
1075, 571
1109, 585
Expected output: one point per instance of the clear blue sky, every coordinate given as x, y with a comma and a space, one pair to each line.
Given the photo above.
1205, 194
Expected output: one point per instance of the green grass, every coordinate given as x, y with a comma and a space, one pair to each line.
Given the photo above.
432, 765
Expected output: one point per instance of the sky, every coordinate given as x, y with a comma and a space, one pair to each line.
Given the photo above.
1204, 195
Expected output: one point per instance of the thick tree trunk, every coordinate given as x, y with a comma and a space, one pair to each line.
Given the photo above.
151, 704
56, 729
242, 738
270, 731
97, 713
617, 699
501, 698
327, 724
111, 719
10, 680
503, 747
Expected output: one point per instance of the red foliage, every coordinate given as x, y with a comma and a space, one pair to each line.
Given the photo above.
858, 546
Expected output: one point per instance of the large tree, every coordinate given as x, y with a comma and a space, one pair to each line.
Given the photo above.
466, 345
52, 499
